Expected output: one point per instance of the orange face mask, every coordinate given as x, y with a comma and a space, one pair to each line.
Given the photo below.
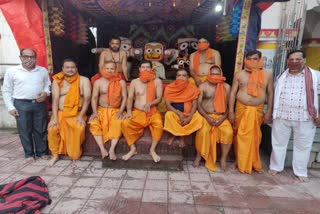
203, 46
253, 65
147, 75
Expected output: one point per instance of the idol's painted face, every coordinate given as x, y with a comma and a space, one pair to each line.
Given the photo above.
69, 69
153, 51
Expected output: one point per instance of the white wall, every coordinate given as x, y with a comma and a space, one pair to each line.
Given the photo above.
270, 18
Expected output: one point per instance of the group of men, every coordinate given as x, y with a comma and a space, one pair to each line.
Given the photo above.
202, 103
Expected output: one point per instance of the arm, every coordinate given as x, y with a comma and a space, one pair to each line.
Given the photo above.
46, 90
268, 114
232, 99
130, 99
86, 99
159, 92
55, 104
217, 58
101, 59
7, 92
123, 98
124, 65
171, 108
186, 120
191, 69
94, 100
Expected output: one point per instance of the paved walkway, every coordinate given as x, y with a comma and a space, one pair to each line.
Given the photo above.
89, 188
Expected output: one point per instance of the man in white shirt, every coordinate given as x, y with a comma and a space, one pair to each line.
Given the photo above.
25, 89
296, 108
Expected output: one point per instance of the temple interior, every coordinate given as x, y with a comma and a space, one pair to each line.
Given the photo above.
163, 31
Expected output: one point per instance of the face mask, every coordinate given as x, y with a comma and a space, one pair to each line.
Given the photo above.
295, 66
203, 46
28, 63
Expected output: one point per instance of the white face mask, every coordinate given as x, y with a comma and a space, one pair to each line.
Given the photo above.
29, 62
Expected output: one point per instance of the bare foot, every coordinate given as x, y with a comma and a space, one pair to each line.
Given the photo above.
104, 154
171, 139
223, 165
53, 160
303, 179
29, 160
129, 154
73, 164
261, 171
181, 142
272, 172
233, 165
196, 162
112, 155
45, 157
156, 158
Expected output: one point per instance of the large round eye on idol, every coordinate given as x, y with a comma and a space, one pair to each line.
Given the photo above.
183, 45
181, 61
158, 50
194, 45
149, 50
125, 47
187, 62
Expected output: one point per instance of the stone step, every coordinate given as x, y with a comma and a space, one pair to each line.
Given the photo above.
144, 161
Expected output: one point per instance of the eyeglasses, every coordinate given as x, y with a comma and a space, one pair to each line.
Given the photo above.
27, 57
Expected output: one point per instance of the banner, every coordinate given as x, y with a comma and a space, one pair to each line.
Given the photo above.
26, 22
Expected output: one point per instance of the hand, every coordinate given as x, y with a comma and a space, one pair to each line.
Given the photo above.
14, 113
198, 82
127, 116
231, 118
317, 121
93, 115
186, 120
81, 120
267, 118
146, 107
119, 115
53, 122
41, 97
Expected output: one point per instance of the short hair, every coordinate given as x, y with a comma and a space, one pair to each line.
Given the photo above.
69, 60
182, 69
115, 38
145, 62
296, 51
204, 39
108, 62
253, 52
23, 49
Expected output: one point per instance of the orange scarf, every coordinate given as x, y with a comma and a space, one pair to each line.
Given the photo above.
181, 91
72, 102
219, 101
114, 88
256, 80
196, 59
149, 76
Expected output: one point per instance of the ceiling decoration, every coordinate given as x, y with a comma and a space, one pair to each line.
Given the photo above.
145, 11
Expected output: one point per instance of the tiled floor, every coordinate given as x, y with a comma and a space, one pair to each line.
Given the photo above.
89, 188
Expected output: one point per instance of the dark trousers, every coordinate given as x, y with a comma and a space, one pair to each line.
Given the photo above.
32, 127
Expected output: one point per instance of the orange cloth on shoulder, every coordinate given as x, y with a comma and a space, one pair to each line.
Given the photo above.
181, 91
256, 80
72, 102
219, 101
196, 59
114, 88
149, 76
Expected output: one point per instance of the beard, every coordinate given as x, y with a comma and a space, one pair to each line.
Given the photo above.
115, 49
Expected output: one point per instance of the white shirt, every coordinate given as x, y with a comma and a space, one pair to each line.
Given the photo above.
20, 83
